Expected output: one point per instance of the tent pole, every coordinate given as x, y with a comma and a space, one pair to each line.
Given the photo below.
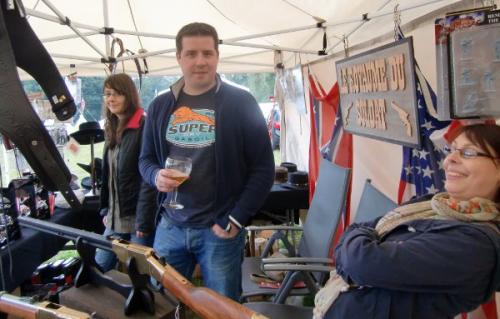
66, 21
365, 18
383, 13
75, 57
265, 34
107, 37
347, 36
409, 26
270, 47
403, 8
48, 17
144, 55
68, 36
303, 44
244, 55
122, 58
225, 62
145, 34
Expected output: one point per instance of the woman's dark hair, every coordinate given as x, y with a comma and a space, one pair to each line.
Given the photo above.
122, 84
485, 136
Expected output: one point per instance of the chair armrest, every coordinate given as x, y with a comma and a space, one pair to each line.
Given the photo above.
297, 267
298, 260
273, 227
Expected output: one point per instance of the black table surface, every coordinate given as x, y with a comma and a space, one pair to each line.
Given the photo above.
22, 256
283, 204
283, 196
35, 247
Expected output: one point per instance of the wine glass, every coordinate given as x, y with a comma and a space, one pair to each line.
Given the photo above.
181, 167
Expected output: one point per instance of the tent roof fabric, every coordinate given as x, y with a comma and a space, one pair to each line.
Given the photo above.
250, 30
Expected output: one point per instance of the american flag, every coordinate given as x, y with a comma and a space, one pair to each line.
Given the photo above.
422, 171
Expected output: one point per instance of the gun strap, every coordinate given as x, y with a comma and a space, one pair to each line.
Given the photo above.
22, 125
123, 51
32, 57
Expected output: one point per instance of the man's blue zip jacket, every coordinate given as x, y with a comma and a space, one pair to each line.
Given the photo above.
243, 154
422, 269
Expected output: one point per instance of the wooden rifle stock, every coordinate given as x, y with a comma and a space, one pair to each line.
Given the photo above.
203, 301
25, 308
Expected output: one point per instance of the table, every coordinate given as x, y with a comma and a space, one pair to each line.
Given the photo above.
89, 298
34, 247
282, 205
283, 202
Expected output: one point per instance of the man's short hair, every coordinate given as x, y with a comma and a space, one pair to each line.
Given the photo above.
196, 29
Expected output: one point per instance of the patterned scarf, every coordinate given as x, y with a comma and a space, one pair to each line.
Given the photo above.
441, 206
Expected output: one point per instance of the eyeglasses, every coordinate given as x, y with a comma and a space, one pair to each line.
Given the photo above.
467, 153
107, 95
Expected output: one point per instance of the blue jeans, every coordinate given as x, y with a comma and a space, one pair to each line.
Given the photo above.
219, 258
106, 260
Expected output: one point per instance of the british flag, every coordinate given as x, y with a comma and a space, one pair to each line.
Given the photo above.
328, 140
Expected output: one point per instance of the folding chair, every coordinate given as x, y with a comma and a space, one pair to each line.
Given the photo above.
314, 247
372, 204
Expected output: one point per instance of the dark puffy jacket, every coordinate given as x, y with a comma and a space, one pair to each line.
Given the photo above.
421, 269
134, 196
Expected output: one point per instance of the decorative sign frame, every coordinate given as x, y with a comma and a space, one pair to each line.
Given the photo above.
475, 72
378, 95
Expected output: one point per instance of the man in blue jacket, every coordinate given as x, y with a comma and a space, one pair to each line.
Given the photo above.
221, 128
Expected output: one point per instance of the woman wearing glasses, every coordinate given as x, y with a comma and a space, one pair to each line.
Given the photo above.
429, 259
127, 204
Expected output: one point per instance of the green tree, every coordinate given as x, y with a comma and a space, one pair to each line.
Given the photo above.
151, 86
92, 94
260, 84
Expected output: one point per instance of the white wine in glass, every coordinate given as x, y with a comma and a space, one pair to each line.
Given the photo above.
181, 167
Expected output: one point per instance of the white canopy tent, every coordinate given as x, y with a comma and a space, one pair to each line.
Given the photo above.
73, 31
80, 32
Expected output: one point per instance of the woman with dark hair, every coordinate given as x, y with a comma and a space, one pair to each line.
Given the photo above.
428, 259
127, 204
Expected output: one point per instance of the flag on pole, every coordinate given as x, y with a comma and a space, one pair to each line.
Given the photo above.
422, 171
322, 116
328, 140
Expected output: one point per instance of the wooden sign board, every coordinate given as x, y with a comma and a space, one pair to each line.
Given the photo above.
378, 94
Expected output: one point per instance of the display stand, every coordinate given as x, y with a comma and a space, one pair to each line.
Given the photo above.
138, 295
105, 303
90, 133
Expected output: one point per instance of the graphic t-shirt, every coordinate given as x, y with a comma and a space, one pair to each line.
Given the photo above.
191, 133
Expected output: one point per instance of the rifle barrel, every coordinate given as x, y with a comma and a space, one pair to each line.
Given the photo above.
71, 233
17, 307
205, 302
27, 308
